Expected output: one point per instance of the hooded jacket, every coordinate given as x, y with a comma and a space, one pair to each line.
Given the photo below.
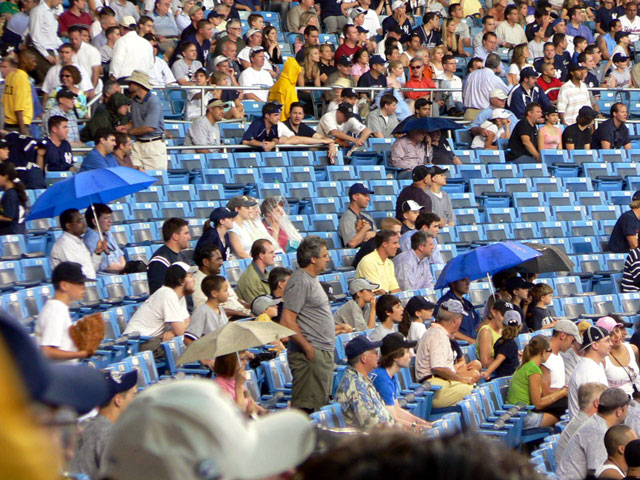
284, 90
108, 118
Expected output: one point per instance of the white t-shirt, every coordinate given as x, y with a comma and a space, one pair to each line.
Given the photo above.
52, 327
416, 330
632, 27
478, 140
244, 55
555, 364
161, 308
251, 77
89, 56
52, 80
328, 123
586, 371
243, 235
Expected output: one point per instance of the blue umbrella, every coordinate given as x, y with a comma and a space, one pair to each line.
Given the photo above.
428, 124
484, 261
101, 185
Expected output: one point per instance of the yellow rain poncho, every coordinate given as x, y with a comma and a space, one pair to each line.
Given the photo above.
284, 90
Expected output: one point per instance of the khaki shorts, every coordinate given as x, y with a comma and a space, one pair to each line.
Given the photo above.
150, 155
450, 393
312, 381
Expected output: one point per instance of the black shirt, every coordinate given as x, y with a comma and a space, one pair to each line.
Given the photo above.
523, 127
617, 137
303, 129
508, 348
627, 224
58, 158
389, 22
367, 80
411, 192
12, 207
212, 237
442, 154
537, 317
327, 69
576, 137
158, 265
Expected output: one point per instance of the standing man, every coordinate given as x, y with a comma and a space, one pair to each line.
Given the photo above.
149, 150
43, 30
87, 56
17, 98
357, 226
413, 269
479, 85
624, 236
440, 201
523, 143
76, 15
573, 95
176, 236
131, 52
307, 311
613, 133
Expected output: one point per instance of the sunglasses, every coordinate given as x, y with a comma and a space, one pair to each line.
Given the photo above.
416, 67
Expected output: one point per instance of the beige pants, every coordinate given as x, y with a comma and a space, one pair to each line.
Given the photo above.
150, 155
470, 114
450, 393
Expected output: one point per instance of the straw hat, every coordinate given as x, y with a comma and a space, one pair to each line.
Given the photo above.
141, 78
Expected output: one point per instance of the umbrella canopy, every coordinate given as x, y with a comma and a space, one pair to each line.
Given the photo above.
234, 337
552, 260
483, 261
429, 124
101, 185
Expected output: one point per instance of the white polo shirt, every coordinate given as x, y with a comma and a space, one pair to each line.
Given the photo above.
161, 308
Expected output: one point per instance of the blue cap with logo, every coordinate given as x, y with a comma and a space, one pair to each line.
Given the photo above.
359, 345
359, 188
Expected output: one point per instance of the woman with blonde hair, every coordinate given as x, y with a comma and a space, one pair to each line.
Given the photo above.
437, 53
451, 40
519, 60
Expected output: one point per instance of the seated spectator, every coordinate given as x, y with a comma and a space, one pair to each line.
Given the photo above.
339, 124
470, 318
52, 325
357, 226
450, 102
632, 459
278, 279
620, 76
64, 107
586, 451
164, 314
624, 236
565, 333
395, 354
176, 237
389, 312
383, 120
525, 93
412, 267
113, 118
435, 357
526, 386
409, 152
256, 75
254, 280
95, 432
69, 78
506, 357
208, 259
410, 212
430, 224
377, 266
278, 225
13, 204
196, 97
102, 154
578, 135
613, 133
615, 442
239, 235
387, 223
231, 375
548, 80
359, 313
588, 400
216, 231
498, 126
489, 333
523, 144
359, 400
263, 132
439, 150
418, 80
28, 156
58, 156
208, 316
112, 260
205, 130
375, 75
497, 99
421, 176
621, 366
122, 151
631, 272
232, 97
440, 200
596, 346
70, 247
541, 315
417, 315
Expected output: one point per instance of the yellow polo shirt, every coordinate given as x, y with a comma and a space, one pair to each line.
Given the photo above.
470, 7
375, 270
17, 98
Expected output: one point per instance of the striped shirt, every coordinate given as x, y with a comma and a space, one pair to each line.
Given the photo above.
631, 272
571, 99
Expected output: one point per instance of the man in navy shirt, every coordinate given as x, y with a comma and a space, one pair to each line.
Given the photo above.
58, 157
375, 76
624, 235
398, 18
27, 154
613, 133
101, 156
527, 92
470, 318
429, 31
263, 132
294, 122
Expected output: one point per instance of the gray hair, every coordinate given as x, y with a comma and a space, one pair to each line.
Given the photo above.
492, 61
353, 362
232, 22
588, 393
416, 59
310, 247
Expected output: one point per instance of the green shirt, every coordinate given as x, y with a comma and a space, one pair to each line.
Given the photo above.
252, 283
8, 7
519, 389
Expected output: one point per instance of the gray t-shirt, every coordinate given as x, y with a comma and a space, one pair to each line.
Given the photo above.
379, 333
441, 206
585, 451
351, 314
204, 320
180, 69
201, 132
347, 225
572, 427
305, 296
91, 446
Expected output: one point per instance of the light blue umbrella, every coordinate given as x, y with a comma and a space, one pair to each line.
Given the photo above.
101, 185
484, 261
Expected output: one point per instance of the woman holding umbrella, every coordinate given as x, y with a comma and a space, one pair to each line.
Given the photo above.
231, 375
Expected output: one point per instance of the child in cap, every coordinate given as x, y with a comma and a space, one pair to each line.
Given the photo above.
506, 357
498, 126
410, 211
359, 313
265, 308
620, 76
416, 317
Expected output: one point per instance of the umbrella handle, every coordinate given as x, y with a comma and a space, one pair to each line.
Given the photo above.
95, 217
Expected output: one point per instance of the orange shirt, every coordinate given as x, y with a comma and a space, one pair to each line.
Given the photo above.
415, 83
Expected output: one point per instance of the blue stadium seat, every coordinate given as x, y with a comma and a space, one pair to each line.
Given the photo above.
202, 209
463, 200
546, 185
467, 216
584, 245
612, 156
219, 160
272, 189
466, 156
210, 192
301, 158
525, 230
301, 190
245, 175
469, 171
480, 186
551, 157
138, 253
582, 156
383, 203
565, 214
625, 170
324, 222
511, 185
336, 173
274, 174
621, 197
248, 159
530, 170
154, 193
500, 215
603, 212
144, 211
534, 214
552, 229
527, 199
590, 198
490, 156
507, 170
577, 184
384, 187
190, 161
143, 233
217, 176
497, 232
329, 189
567, 286
179, 193
370, 172
326, 205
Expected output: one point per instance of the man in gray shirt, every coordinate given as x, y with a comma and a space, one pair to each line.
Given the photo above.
94, 437
440, 201
205, 130
307, 311
357, 227
383, 120
585, 451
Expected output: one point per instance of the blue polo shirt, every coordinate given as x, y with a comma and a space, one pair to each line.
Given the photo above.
627, 224
470, 321
258, 131
94, 159
58, 158
617, 137
387, 387
148, 113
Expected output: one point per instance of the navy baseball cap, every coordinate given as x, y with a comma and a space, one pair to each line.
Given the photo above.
419, 303
349, 93
214, 14
394, 342
220, 213
68, 272
120, 382
359, 188
636, 196
593, 335
359, 345
362, 30
344, 61
4, 143
573, 67
376, 59
528, 72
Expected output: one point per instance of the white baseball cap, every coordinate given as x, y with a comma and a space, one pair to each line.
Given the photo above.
189, 429
497, 93
186, 267
500, 113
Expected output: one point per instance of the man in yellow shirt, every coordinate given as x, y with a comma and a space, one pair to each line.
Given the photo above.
17, 99
470, 8
377, 266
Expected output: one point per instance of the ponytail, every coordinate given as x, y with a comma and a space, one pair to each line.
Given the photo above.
536, 346
405, 323
7, 169
208, 225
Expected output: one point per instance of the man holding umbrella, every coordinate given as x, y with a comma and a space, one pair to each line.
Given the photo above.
408, 152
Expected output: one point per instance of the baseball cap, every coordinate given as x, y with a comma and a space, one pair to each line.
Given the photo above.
573, 67
346, 109
253, 31
567, 326
515, 283
498, 93
359, 345
587, 111
127, 21
328, 289
344, 61
241, 201
528, 72
361, 29
500, 113
511, 318
68, 272
4, 143
120, 382
359, 188
202, 71
220, 213
65, 93
220, 59
632, 453
436, 170
417, 303
255, 50
212, 442
394, 342
215, 102
620, 57
376, 59
355, 12
453, 306
636, 196
349, 93
214, 14
185, 266
593, 335
397, 4
261, 303
557, 21
420, 173
411, 206
609, 323
359, 284
614, 397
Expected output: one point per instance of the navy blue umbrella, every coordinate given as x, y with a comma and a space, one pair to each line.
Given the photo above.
426, 124
101, 185
484, 261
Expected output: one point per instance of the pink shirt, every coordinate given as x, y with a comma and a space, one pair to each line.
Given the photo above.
229, 386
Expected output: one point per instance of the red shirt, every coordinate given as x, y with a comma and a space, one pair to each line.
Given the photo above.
345, 50
555, 83
426, 82
68, 19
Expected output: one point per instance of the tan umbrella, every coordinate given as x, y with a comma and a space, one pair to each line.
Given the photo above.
234, 337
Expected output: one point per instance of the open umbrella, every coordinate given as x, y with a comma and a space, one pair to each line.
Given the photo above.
234, 337
552, 260
429, 124
484, 261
